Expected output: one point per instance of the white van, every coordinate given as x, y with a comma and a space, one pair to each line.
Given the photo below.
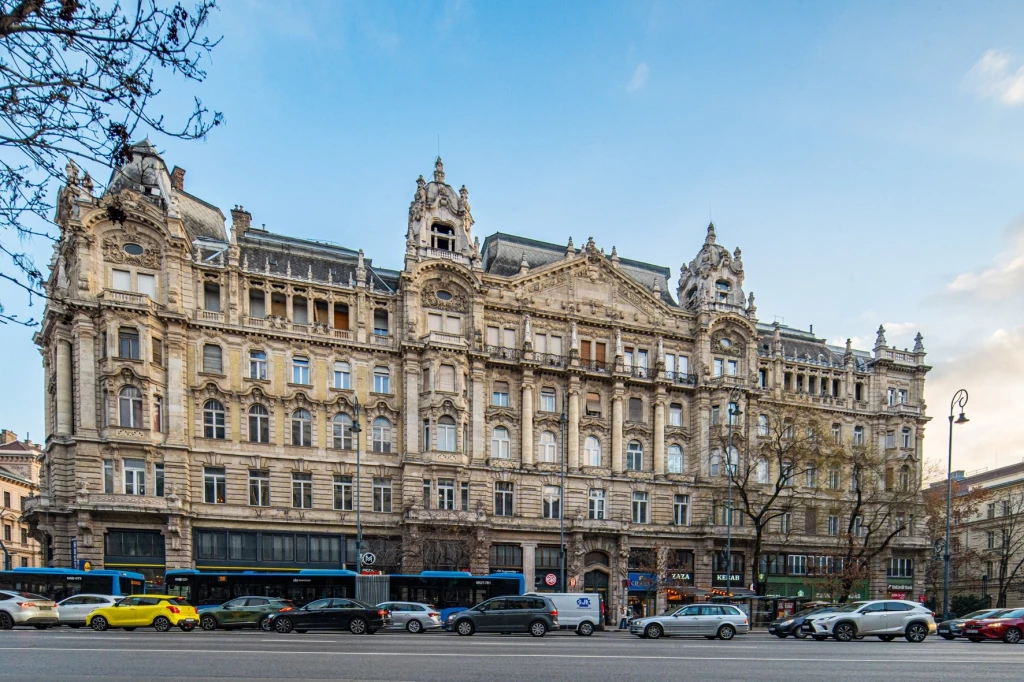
579, 611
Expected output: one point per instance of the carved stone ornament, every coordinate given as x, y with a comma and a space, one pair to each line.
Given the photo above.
113, 249
457, 300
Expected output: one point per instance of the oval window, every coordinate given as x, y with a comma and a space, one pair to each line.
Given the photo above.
444, 295
133, 249
725, 343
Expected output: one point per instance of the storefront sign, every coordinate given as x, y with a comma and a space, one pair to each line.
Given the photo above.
898, 595
735, 579
685, 577
74, 552
642, 581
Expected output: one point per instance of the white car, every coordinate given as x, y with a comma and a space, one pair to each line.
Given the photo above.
25, 608
73, 610
886, 619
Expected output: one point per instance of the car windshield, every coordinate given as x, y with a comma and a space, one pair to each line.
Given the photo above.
984, 613
849, 607
814, 609
1015, 613
180, 601
30, 595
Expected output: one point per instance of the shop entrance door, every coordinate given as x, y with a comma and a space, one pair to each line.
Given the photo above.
597, 581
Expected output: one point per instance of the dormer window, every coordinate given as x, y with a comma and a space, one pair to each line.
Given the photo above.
722, 291
442, 237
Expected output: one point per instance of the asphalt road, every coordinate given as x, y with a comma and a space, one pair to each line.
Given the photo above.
63, 654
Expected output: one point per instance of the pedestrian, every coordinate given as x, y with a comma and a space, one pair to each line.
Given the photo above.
624, 621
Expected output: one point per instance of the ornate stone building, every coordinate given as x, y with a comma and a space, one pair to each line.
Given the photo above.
19, 481
203, 383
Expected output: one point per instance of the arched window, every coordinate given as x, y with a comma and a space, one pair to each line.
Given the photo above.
381, 434
259, 424
634, 456
213, 420
302, 428
446, 434
761, 471
547, 447
342, 436
129, 402
592, 451
905, 478
501, 444
675, 459
596, 558
762, 425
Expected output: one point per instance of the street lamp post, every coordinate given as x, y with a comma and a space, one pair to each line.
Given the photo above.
562, 420
359, 498
959, 400
732, 412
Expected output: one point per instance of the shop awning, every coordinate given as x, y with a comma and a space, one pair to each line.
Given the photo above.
739, 593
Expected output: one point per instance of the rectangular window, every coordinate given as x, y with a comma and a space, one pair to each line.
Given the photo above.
900, 568
122, 280
595, 504
381, 380
499, 395
681, 510
555, 345
147, 285
796, 564
506, 558
108, 476
593, 404
670, 366
343, 499
428, 488
342, 376
211, 297
716, 415
257, 365
858, 435
259, 488
434, 322
833, 526
547, 400
890, 439
300, 371
158, 479
213, 362
891, 396
382, 495
134, 476
427, 443
214, 485
762, 378
731, 368
453, 325
907, 438
157, 354
380, 323
810, 521
445, 494
464, 495
128, 343
493, 336
302, 490
636, 410
786, 523
675, 414
446, 379
639, 507
158, 414
503, 498
508, 338
901, 397
552, 498
719, 366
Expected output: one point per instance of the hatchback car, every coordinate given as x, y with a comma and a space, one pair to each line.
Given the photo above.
723, 621
74, 610
412, 616
331, 614
886, 619
25, 608
954, 627
243, 612
159, 610
536, 615
1006, 626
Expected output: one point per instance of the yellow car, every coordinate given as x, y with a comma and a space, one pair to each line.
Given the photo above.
159, 610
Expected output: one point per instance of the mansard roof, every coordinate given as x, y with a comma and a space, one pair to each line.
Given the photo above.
804, 346
503, 253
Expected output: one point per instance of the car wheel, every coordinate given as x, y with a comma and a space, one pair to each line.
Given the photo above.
844, 632
800, 634
949, 637
414, 626
128, 629
99, 623
916, 632
161, 624
208, 623
464, 628
819, 638
1012, 636
283, 624
265, 625
887, 638
538, 628
43, 627
586, 629
6, 622
653, 631
726, 632
357, 626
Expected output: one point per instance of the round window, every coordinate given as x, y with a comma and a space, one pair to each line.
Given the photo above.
725, 343
133, 249
444, 295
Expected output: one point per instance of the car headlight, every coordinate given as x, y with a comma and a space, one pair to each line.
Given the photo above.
785, 623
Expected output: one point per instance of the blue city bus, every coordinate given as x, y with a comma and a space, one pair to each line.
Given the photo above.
61, 583
446, 590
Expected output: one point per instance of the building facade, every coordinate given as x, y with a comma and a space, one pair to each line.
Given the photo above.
19, 481
204, 385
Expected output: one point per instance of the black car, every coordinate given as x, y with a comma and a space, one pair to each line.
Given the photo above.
331, 614
793, 625
951, 629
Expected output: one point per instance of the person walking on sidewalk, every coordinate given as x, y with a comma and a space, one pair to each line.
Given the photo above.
624, 617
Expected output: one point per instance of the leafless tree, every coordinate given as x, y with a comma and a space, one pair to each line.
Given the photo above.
1004, 542
78, 80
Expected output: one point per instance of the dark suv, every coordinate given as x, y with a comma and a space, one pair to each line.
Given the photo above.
535, 615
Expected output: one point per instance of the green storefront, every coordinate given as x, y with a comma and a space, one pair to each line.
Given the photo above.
801, 587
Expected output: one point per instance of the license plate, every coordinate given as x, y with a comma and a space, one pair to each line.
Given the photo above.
972, 632
46, 608
188, 620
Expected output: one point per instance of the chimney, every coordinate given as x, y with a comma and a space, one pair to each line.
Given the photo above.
178, 179
8, 437
240, 218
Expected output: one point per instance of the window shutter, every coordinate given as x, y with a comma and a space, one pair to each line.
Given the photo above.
434, 322
599, 355
453, 325
501, 387
594, 403
509, 338
492, 336
447, 378
212, 359
585, 351
122, 280
555, 347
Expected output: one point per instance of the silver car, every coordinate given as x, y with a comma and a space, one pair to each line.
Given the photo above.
708, 620
73, 610
25, 608
412, 616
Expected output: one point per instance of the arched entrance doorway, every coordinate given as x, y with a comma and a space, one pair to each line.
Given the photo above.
597, 581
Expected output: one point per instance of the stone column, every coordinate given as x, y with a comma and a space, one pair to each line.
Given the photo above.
85, 368
573, 437
659, 432
526, 433
411, 411
529, 563
174, 349
617, 428
479, 424
64, 389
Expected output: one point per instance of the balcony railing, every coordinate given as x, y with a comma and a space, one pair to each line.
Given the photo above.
381, 340
446, 339
126, 297
209, 316
504, 353
681, 378
343, 334
550, 359
599, 366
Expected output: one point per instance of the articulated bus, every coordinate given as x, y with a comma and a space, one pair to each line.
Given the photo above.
443, 589
60, 583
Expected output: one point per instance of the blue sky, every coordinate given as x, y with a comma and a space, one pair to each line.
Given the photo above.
867, 157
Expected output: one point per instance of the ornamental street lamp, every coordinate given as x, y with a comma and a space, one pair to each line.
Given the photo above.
959, 400
732, 412
359, 498
562, 420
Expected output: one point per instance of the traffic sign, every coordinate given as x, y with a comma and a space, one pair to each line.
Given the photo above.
550, 579
368, 559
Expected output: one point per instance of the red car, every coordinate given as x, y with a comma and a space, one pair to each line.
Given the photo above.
1009, 627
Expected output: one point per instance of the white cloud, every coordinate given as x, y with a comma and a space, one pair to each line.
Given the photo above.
1003, 279
640, 76
998, 75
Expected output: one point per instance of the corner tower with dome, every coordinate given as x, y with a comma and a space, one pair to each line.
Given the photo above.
202, 383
